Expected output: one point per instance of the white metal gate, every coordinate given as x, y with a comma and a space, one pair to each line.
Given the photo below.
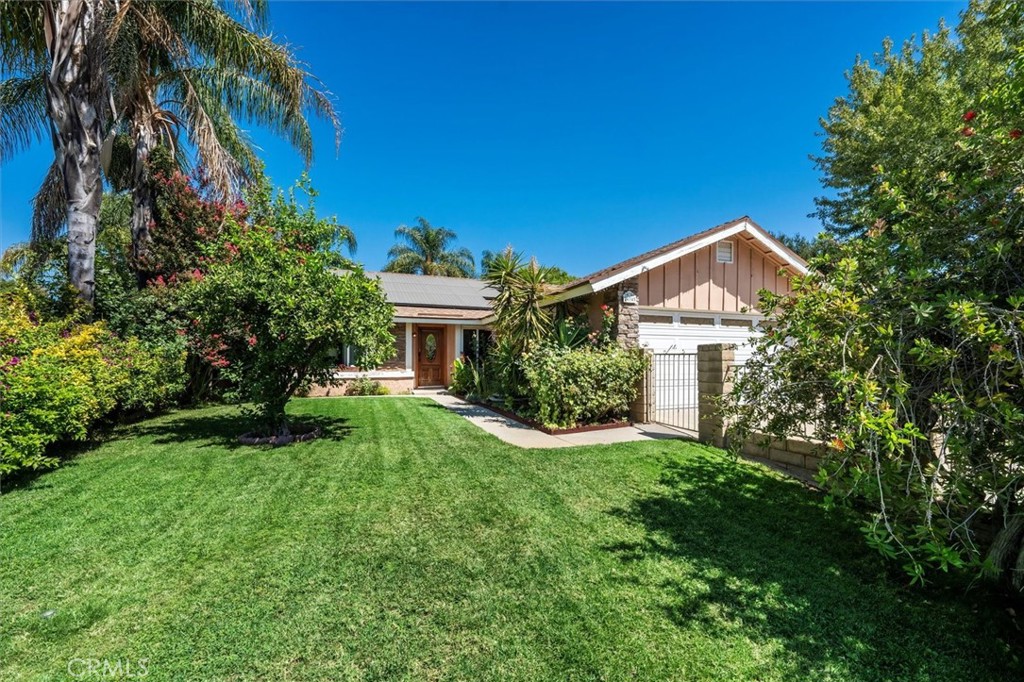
675, 390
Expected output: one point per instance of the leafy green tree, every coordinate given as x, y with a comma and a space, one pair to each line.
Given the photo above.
271, 305
427, 250
804, 247
903, 349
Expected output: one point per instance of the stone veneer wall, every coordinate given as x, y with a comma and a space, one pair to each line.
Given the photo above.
627, 315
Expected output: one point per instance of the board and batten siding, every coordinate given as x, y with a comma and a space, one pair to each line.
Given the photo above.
697, 281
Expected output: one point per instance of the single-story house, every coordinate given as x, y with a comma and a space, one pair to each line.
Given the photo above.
697, 290
437, 319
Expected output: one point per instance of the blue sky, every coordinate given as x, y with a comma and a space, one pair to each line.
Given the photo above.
582, 133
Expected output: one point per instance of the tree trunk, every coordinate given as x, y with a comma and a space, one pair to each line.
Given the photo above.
77, 104
143, 197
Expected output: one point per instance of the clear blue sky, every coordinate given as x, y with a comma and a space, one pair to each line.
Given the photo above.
582, 133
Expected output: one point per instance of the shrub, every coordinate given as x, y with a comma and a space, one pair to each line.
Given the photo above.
586, 385
465, 378
271, 305
59, 377
366, 386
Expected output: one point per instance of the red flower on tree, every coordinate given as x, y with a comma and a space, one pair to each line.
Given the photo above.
1015, 134
970, 116
967, 131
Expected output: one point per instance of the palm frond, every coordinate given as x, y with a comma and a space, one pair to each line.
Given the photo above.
49, 207
23, 117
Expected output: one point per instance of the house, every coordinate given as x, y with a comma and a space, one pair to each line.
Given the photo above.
437, 319
698, 290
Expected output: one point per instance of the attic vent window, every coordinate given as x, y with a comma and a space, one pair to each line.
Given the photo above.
725, 252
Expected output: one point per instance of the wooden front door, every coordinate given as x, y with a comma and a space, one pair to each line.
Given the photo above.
430, 358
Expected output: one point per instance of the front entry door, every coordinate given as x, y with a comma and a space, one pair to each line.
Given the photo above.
430, 356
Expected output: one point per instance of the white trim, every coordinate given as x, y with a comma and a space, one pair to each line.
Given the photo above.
802, 269
440, 320
668, 257
575, 292
377, 374
716, 317
711, 239
408, 347
458, 344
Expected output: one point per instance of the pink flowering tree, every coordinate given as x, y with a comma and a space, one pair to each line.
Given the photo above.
273, 300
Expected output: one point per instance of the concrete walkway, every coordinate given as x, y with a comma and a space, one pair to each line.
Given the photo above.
523, 436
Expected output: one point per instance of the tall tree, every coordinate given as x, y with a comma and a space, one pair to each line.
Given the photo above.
198, 68
903, 349
194, 68
553, 274
427, 250
55, 48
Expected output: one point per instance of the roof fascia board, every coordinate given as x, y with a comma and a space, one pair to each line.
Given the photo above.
668, 257
581, 290
440, 320
774, 248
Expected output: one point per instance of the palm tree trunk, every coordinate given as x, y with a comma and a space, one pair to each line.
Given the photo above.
143, 197
76, 101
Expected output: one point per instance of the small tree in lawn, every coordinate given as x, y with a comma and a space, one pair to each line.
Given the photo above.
272, 308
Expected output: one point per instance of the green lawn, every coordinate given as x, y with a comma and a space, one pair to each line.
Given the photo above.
407, 544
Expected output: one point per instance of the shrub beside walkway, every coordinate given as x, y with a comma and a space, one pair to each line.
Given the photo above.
523, 436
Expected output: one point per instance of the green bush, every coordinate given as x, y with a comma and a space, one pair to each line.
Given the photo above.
59, 377
569, 387
366, 386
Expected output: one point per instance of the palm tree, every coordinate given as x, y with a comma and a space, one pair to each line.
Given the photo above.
56, 48
192, 67
426, 251
175, 68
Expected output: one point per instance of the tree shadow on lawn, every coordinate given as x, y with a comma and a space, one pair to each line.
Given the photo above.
759, 558
223, 430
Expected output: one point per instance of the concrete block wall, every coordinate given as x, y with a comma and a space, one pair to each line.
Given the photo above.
715, 367
714, 379
799, 455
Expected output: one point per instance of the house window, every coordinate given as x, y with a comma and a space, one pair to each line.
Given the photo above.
475, 343
350, 356
725, 250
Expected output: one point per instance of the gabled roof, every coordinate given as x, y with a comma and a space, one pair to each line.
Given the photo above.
435, 292
631, 267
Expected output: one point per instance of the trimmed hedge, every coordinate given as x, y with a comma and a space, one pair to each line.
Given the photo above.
585, 385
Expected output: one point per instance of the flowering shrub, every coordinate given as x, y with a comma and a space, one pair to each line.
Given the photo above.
59, 377
584, 385
270, 306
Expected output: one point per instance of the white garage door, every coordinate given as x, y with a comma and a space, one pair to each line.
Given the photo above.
682, 333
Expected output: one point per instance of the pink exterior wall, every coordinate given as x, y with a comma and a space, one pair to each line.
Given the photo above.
697, 281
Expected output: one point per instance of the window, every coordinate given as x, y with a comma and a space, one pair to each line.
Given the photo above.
475, 343
350, 356
656, 319
737, 322
725, 252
